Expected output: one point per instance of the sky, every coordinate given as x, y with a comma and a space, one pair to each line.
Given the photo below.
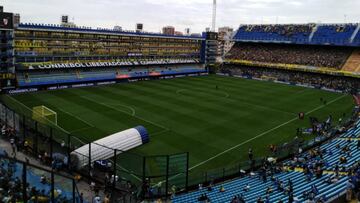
194, 14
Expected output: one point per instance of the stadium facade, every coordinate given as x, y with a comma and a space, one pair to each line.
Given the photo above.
49, 56
43, 56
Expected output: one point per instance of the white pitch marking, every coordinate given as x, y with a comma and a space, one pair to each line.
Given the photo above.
90, 99
87, 123
262, 134
133, 112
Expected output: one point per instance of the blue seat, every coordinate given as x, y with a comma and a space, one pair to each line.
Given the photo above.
300, 185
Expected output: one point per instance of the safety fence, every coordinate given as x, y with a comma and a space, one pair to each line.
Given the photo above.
128, 176
281, 153
26, 182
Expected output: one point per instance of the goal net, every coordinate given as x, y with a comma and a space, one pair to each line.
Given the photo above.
44, 115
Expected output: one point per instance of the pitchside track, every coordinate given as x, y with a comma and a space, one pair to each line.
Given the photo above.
216, 125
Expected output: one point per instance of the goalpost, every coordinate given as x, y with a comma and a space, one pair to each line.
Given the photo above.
44, 115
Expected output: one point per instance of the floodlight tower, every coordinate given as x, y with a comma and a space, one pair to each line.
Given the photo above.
214, 17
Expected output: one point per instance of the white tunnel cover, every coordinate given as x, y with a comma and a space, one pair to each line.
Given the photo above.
104, 148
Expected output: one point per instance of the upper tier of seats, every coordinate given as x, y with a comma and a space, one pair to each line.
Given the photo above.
335, 34
338, 34
300, 33
357, 38
100, 30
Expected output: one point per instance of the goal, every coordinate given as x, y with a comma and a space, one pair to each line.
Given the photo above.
44, 115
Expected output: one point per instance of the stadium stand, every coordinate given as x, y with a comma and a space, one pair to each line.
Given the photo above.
315, 80
329, 154
352, 133
38, 183
73, 51
315, 56
293, 33
357, 38
100, 30
28, 79
320, 34
334, 34
287, 183
324, 172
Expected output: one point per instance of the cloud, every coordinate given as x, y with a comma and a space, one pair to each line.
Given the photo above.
195, 14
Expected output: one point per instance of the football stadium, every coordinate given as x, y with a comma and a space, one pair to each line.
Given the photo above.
108, 115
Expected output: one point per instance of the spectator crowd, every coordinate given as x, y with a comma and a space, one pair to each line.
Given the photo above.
286, 30
345, 84
315, 56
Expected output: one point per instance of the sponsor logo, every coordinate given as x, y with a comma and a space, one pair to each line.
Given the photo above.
52, 88
106, 83
155, 74
63, 87
125, 76
23, 90
83, 85
133, 80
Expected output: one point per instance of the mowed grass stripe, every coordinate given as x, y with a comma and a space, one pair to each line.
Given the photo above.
257, 97
61, 105
280, 97
203, 120
173, 104
228, 131
113, 94
35, 100
174, 138
262, 134
219, 128
108, 125
122, 120
214, 108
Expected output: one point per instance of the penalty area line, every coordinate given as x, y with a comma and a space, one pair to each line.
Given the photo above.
77, 117
30, 110
118, 110
133, 112
262, 134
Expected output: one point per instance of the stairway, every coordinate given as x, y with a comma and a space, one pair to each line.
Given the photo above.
355, 34
313, 32
78, 75
27, 77
353, 62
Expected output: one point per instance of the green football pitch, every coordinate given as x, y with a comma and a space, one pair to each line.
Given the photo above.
214, 118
